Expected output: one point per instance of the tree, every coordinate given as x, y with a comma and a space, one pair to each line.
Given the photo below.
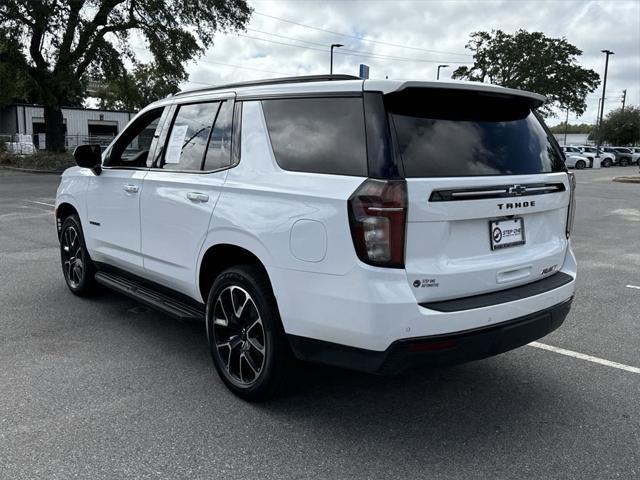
67, 42
14, 79
578, 128
531, 61
134, 90
621, 127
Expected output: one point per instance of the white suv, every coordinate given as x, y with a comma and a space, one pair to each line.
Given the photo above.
374, 225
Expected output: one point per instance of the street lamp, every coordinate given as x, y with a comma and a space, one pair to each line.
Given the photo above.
333, 45
439, 67
604, 88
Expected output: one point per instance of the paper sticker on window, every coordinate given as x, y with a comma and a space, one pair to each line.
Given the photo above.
176, 141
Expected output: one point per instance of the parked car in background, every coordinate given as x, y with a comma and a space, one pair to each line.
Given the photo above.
627, 154
606, 159
575, 159
622, 158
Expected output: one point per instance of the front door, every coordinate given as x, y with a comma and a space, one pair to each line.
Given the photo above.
113, 197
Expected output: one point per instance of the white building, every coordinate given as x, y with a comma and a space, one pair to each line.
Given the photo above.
81, 124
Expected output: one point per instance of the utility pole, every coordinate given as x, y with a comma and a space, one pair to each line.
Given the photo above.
333, 45
604, 89
439, 67
566, 127
624, 98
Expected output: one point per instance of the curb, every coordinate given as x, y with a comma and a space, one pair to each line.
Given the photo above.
30, 170
627, 179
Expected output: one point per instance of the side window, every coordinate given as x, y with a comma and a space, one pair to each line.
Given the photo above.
219, 149
320, 135
189, 135
132, 148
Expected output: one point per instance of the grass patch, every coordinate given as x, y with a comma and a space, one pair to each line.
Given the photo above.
45, 161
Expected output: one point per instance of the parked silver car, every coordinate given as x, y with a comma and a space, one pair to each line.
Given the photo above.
575, 159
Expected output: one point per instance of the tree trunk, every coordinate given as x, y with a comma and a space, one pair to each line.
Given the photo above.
54, 128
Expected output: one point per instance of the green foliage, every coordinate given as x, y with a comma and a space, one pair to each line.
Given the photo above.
14, 78
621, 127
41, 160
531, 61
64, 43
134, 90
577, 128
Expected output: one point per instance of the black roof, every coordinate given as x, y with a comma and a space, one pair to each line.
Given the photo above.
273, 81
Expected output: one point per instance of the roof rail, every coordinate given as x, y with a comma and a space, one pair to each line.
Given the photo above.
273, 81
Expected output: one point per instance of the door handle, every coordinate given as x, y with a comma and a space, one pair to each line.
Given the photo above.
130, 188
198, 197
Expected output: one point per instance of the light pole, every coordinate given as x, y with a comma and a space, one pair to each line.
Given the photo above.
439, 67
604, 88
333, 45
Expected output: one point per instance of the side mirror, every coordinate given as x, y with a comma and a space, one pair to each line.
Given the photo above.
89, 156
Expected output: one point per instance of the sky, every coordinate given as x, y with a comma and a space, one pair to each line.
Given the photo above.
411, 38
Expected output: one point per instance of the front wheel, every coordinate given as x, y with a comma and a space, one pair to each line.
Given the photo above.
606, 163
624, 162
246, 338
77, 267
580, 164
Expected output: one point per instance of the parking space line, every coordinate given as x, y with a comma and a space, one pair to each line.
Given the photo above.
633, 286
41, 203
588, 358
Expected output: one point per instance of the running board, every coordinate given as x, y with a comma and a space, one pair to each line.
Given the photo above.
149, 297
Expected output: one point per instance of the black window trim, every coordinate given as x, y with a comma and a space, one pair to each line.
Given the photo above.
107, 154
297, 95
309, 95
176, 106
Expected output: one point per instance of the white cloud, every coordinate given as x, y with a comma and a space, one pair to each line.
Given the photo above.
433, 25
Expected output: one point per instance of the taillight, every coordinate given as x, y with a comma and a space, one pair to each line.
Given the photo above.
377, 216
572, 202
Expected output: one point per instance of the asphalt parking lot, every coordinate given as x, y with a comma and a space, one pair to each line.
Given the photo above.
103, 388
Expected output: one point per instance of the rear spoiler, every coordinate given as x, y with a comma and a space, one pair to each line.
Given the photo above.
393, 86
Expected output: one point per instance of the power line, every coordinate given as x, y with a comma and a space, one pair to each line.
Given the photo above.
345, 51
213, 62
360, 38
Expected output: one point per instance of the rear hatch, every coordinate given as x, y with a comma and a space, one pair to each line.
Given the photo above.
487, 189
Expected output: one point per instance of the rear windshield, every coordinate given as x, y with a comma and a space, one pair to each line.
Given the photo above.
448, 133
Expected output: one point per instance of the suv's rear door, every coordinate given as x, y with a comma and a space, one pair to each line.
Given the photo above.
487, 192
182, 189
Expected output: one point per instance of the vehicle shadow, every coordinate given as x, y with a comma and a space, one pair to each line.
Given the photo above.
451, 414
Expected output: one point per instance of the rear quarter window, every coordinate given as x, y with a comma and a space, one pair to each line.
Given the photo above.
318, 135
444, 133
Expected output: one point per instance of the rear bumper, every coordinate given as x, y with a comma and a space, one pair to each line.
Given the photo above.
436, 350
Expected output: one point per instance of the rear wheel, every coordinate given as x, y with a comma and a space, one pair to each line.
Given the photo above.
580, 164
246, 338
624, 162
77, 267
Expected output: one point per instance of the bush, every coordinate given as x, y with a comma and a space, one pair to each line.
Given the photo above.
43, 160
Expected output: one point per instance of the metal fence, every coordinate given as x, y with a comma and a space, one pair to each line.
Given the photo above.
21, 144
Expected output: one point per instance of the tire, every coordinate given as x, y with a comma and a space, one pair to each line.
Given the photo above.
77, 268
250, 352
580, 164
624, 162
606, 162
